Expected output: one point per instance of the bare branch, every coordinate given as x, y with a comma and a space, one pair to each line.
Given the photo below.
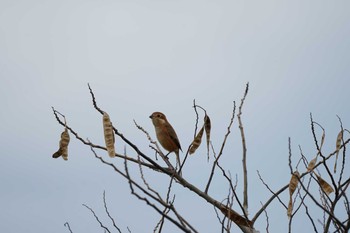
97, 219
157, 166
66, 224
222, 148
344, 151
232, 187
160, 224
274, 195
244, 159
132, 183
165, 159
267, 219
222, 222
165, 205
309, 216
94, 100
290, 156
319, 205
106, 209
281, 190
324, 159
197, 118
235, 217
88, 143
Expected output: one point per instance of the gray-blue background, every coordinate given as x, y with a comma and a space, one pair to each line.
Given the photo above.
145, 56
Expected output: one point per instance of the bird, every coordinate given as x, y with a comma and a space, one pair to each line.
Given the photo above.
166, 134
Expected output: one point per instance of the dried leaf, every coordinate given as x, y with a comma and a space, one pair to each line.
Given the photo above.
207, 127
63, 146
337, 148
108, 134
311, 165
293, 184
197, 141
324, 185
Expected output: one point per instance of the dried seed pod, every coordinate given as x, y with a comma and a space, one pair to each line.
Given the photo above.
63, 146
207, 127
337, 148
311, 164
290, 208
196, 141
322, 139
324, 185
108, 134
293, 184
236, 218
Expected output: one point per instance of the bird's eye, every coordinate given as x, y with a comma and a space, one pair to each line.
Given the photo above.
158, 115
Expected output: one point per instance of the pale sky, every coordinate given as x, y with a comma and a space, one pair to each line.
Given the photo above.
146, 56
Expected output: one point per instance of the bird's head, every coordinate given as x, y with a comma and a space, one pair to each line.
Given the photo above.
158, 118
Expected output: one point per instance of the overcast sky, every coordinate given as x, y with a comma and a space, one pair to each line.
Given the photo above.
146, 56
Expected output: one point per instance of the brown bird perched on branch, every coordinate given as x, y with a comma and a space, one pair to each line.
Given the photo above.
166, 134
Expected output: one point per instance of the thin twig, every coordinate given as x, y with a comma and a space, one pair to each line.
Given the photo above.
344, 151
88, 143
132, 145
319, 205
106, 209
94, 100
197, 118
229, 180
244, 159
233, 215
281, 190
222, 148
195, 132
323, 157
97, 219
309, 216
132, 183
267, 220
274, 194
206, 115
165, 159
290, 156
66, 224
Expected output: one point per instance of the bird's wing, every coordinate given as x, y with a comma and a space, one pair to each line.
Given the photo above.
171, 133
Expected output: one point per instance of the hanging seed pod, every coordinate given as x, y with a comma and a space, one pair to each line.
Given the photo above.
337, 148
322, 139
207, 127
290, 208
108, 134
63, 146
237, 218
312, 164
64, 143
324, 185
293, 184
196, 141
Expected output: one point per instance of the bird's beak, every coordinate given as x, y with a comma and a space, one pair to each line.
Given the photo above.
150, 116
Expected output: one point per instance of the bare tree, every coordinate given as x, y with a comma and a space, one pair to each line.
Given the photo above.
308, 186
